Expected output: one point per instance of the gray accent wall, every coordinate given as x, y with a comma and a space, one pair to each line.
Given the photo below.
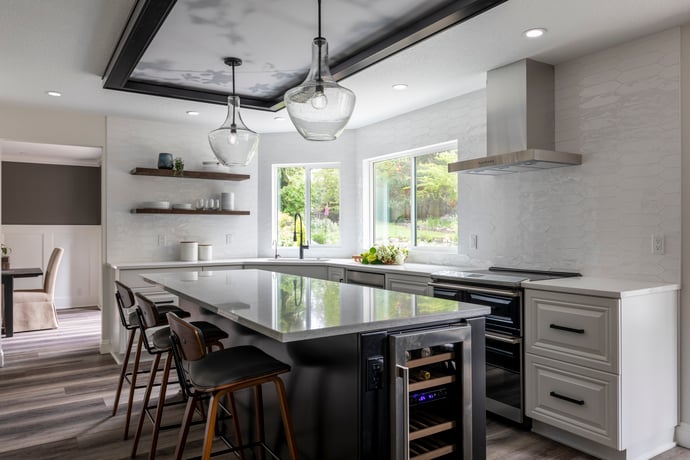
46, 194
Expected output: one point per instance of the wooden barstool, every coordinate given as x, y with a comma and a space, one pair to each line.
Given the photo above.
126, 307
215, 375
156, 340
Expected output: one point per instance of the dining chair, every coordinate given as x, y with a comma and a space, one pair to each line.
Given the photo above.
34, 309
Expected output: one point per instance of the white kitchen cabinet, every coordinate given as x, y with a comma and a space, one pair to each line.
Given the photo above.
408, 283
601, 367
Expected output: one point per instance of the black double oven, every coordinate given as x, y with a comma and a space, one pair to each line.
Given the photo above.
498, 288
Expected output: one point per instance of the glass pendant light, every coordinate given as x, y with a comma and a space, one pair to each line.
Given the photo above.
319, 107
233, 143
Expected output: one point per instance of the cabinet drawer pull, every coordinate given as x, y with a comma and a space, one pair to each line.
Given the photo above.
579, 402
567, 329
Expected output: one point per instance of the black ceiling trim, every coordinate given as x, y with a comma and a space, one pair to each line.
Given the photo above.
449, 15
147, 18
149, 15
194, 94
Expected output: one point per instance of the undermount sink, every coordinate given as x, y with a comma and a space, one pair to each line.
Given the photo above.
295, 259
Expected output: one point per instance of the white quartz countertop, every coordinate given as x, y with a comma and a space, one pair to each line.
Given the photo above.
349, 264
291, 308
602, 287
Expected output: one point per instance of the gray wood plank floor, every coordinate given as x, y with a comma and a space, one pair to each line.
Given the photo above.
57, 391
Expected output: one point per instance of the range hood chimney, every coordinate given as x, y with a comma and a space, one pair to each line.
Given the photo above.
520, 122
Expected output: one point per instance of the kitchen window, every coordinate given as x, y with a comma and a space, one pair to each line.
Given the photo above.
413, 200
313, 192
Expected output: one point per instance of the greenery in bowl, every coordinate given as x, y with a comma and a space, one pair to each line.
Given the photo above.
385, 254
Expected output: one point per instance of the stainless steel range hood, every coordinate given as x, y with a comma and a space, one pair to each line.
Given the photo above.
519, 123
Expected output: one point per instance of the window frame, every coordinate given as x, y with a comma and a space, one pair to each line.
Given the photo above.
368, 219
307, 202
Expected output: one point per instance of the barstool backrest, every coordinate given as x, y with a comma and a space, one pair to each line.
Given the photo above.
187, 338
148, 312
125, 301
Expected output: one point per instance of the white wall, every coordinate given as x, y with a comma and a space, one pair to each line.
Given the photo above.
683, 432
135, 237
78, 280
289, 148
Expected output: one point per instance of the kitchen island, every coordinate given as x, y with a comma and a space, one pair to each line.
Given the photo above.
336, 338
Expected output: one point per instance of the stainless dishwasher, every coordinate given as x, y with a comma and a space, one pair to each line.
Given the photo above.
377, 280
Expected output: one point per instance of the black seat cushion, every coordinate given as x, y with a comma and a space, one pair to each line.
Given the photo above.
211, 332
164, 309
159, 337
231, 366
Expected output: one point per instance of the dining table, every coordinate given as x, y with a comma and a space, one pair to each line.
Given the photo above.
8, 277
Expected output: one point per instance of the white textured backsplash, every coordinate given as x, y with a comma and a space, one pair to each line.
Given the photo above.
136, 237
620, 108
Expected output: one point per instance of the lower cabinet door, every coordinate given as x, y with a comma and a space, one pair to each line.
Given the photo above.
576, 399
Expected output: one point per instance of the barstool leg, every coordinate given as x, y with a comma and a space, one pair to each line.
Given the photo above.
161, 405
123, 373
259, 409
287, 419
235, 423
184, 430
210, 425
147, 397
132, 386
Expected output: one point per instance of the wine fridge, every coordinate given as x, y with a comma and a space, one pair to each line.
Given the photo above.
424, 393
432, 397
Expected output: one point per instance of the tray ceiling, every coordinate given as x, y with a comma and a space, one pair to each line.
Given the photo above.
175, 48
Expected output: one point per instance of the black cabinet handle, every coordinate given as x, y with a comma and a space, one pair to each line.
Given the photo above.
579, 402
567, 329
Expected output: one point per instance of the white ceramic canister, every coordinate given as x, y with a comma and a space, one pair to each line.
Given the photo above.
189, 251
227, 201
205, 252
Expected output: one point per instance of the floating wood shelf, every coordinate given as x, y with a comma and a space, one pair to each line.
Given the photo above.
189, 174
189, 211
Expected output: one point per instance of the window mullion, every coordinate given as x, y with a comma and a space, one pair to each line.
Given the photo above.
413, 201
307, 204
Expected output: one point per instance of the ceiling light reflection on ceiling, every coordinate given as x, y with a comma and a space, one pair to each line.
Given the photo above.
233, 143
319, 107
534, 33
400, 86
192, 113
54, 93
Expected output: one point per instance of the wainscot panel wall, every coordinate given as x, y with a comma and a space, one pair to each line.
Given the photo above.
78, 281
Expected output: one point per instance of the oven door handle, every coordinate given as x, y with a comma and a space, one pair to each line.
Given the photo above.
502, 338
468, 288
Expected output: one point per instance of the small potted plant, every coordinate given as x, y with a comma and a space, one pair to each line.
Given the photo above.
5, 256
179, 167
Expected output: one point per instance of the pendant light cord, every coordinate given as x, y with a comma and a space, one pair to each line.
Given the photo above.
233, 94
320, 38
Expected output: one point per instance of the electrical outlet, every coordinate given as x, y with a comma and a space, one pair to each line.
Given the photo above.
228, 238
473, 241
161, 240
658, 245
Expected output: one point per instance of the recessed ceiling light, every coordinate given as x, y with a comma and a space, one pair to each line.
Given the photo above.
192, 113
54, 93
534, 33
279, 118
400, 86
